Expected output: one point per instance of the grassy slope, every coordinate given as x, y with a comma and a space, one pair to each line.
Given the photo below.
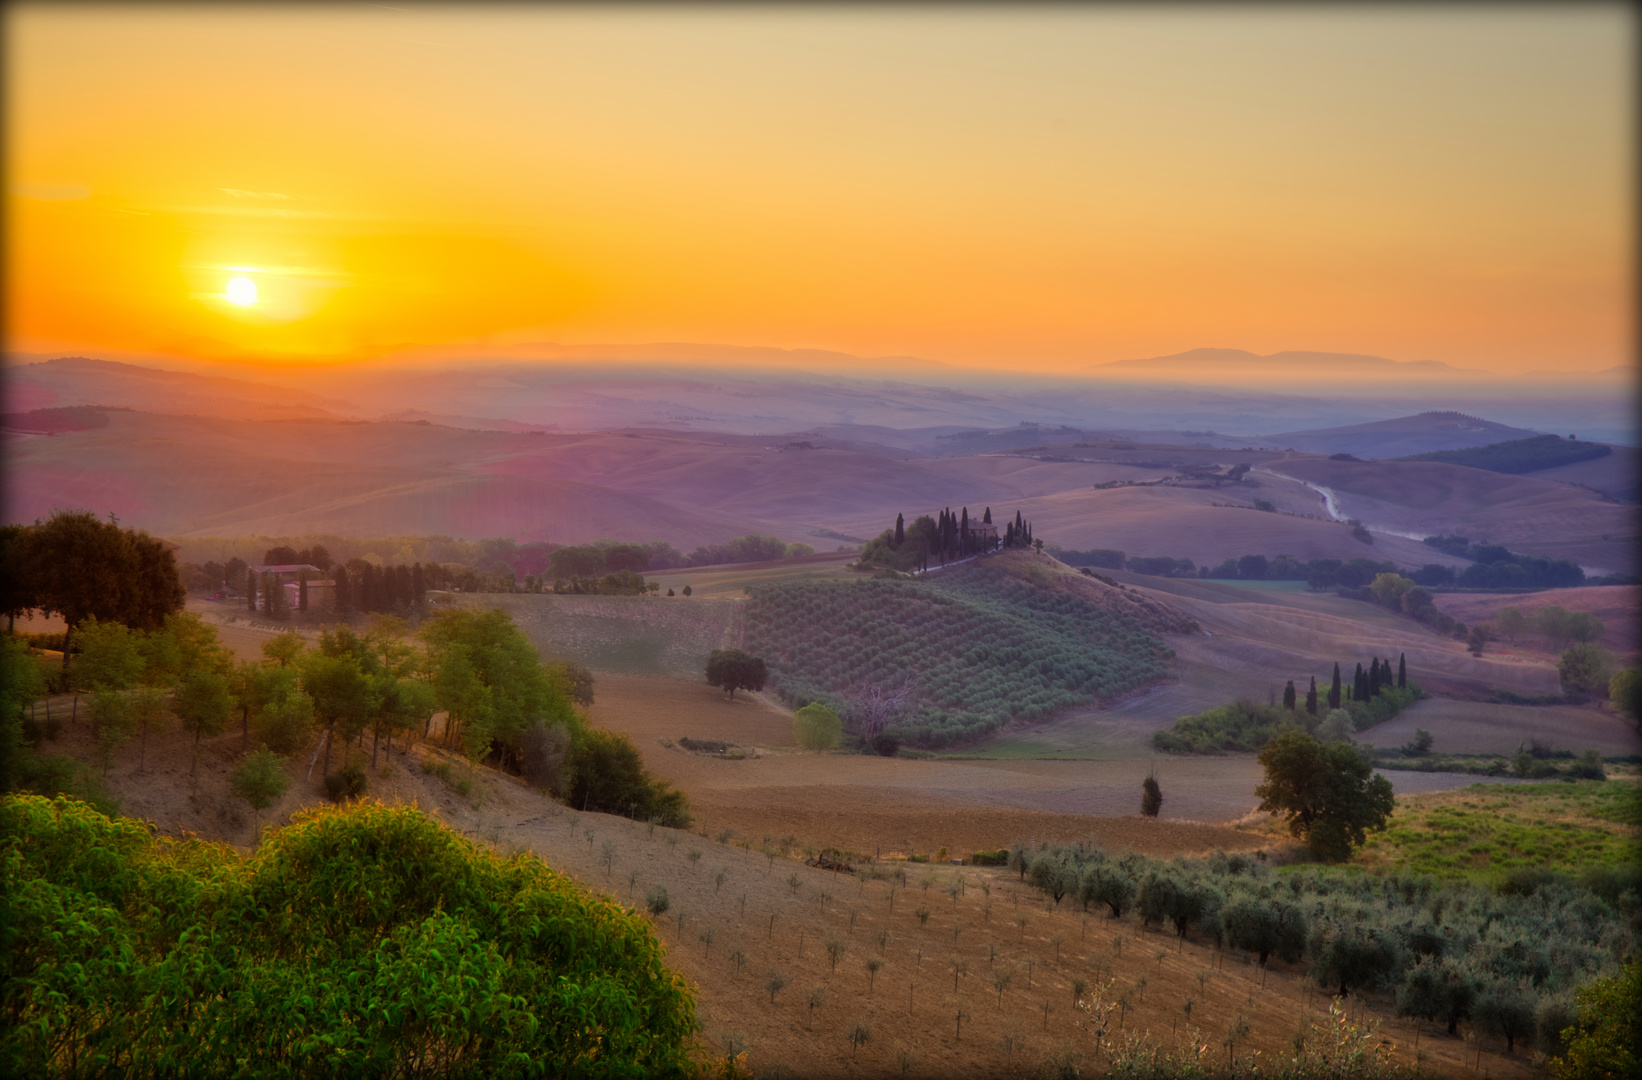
1489, 830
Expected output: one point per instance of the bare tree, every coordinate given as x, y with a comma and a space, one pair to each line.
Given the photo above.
874, 706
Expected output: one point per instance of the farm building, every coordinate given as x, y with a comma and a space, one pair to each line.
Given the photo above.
288, 578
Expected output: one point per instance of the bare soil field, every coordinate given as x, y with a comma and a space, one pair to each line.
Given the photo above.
1618, 474
1185, 523
1256, 640
1474, 727
1423, 498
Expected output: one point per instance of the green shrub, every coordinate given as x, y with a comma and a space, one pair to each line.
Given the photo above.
347, 783
816, 727
608, 776
999, 857
367, 941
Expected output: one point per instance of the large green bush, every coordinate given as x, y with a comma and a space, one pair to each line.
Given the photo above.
367, 941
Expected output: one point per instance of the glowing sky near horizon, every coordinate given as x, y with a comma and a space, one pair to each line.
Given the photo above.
1051, 187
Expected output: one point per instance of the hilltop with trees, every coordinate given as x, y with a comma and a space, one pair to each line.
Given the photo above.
958, 655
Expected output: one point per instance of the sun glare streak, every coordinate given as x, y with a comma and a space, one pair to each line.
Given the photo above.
242, 291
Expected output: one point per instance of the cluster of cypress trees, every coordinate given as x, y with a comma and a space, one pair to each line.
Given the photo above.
1016, 533
1365, 685
369, 589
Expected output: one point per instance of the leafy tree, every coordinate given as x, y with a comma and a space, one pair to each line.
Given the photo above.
185, 643
1510, 622
1625, 691
260, 780
113, 722
403, 706
1606, 1042
286, 722
110, 657
203, 701
816, 727
284, 648
344, 698
21, 684
1151, 797
1585, 669
17, 586
732, 670
1329, 793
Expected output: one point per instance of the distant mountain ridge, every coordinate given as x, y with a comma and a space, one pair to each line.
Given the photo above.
1418, 434
1217, 361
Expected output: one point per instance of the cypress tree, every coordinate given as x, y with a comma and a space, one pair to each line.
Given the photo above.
302, 592
900, 530
344, 592
251, 590
1334, 689
987, 518
963, 533
1374, 678
1402, 670
1359, 684
1289, 696
1311, 697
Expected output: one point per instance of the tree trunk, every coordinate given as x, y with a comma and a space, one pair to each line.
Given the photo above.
376, 737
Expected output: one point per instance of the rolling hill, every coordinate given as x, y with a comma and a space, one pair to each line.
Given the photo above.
192, 476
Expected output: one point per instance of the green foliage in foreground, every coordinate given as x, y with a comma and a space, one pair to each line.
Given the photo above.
978, 646
1246, 726
1518, 456
1606, 1042
367, 941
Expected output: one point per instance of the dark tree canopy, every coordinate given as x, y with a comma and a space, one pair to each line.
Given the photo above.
1151, 797
76, 566
732, 670
1326, 790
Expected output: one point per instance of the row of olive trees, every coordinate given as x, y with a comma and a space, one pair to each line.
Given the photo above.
1508, 962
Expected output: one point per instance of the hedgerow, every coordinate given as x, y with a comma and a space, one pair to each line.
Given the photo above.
980, 648
366, 941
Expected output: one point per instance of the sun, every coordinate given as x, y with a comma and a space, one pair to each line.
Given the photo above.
242, 291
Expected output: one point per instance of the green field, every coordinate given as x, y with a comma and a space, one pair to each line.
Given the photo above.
1487, 831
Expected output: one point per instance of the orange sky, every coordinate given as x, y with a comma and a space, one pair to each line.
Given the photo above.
1054, 187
